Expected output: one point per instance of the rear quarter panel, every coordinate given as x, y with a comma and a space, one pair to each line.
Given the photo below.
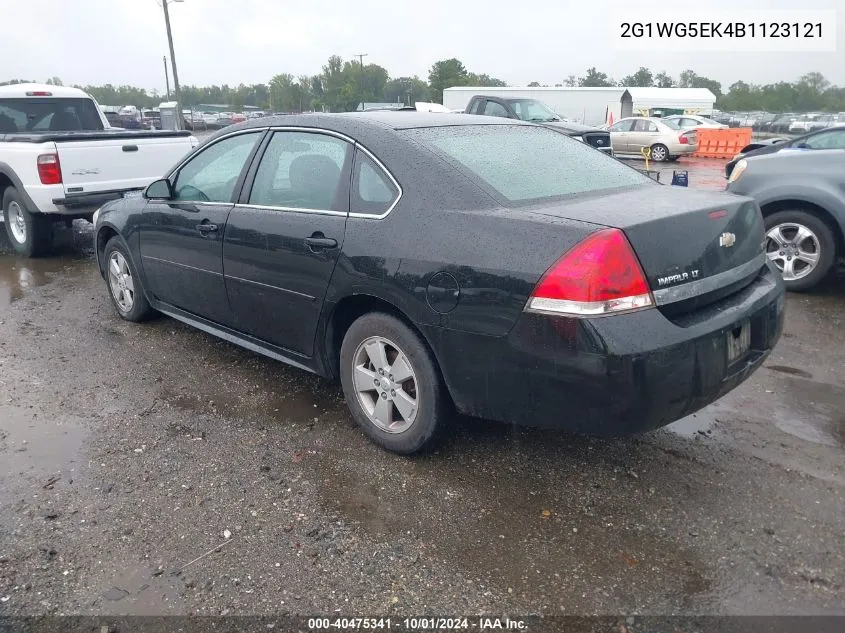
445, 223
816, 176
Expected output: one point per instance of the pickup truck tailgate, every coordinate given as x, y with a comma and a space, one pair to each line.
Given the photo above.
116, 164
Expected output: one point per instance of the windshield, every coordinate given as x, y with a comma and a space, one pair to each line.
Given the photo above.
533, 110
527, 164
48, 115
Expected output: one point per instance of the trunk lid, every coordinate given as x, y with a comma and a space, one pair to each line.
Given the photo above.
115, 164
690, 243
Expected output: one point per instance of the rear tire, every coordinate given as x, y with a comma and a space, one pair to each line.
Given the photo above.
796, 231
31, 234
659, 153
400, 401
124, 285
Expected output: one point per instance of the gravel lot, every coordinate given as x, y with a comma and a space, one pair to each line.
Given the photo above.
128, 452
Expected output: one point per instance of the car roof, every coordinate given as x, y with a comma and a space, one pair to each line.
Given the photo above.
18, 91
390, 119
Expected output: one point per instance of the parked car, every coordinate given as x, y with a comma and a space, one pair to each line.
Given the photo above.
224, 119
832, 138
803, 124
537, 112
238, 117
762, 121
113, 119
663, 138
802, 198
432, 261
827, 120
690, 122
60, 159
151, 119
781, 124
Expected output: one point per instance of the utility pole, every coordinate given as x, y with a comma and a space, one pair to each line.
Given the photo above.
361, 56
179, 122
166, 76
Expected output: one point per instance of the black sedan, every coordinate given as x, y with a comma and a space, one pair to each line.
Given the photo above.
435, 262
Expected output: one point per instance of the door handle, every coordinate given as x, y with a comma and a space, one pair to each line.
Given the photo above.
318, 241
205, 228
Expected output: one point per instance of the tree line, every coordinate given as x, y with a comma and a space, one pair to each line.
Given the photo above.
343, 84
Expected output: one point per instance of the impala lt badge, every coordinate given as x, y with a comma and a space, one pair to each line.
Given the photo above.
727, 240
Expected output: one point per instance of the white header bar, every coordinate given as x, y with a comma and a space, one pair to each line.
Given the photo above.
661, 29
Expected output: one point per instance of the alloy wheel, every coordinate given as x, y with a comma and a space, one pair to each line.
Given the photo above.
121, 282
794, 249
386, 384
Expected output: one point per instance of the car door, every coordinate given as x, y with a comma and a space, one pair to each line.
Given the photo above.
284, 237
619, 133
643, 134
181, 239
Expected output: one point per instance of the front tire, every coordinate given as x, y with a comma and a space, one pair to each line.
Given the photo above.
801, 246
125, 289
659, 153
31, 234
392, 384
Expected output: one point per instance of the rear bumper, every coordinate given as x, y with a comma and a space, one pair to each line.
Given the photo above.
82, 202
611, 375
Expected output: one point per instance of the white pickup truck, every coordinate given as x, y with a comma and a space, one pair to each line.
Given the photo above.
60, 160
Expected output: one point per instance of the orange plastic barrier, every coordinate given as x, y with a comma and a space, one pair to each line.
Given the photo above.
721, 142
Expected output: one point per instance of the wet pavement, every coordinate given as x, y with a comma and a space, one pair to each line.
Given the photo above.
154, 469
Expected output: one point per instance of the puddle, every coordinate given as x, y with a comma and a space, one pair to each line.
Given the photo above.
38, 452
18, 275
702, 424
816, 414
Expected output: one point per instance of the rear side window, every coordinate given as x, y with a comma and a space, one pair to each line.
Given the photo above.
373, 192
527, 163
23, 115
302, 170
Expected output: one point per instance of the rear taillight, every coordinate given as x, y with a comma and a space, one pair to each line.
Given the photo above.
683, 139
49, 169
599, 275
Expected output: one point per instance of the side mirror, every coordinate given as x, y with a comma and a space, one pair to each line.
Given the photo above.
802, 146
159, 190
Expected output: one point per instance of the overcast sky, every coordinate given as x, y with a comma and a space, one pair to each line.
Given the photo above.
235, 41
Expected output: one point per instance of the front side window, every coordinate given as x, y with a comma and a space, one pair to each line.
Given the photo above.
533, 110
211, 175
834, 139
373, 190
302, 170
495, 109
622, 126
520, 164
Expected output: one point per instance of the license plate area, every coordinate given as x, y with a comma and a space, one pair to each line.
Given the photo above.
738, 342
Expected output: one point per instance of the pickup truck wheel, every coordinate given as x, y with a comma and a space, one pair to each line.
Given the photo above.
125, 289
31, 234
392, 384
801, 246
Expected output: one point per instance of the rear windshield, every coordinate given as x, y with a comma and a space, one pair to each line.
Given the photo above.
527, 163
672, 123
48, 115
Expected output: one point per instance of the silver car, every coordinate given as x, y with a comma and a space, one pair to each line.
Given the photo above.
692, 121
663, 139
